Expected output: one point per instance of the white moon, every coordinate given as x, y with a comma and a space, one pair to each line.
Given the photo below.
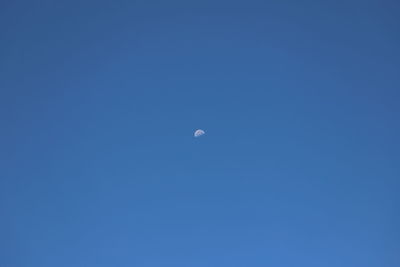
199, 132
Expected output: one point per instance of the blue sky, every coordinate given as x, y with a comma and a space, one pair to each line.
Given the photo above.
300, 165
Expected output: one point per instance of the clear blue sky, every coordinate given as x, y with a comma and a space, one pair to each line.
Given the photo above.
300, 165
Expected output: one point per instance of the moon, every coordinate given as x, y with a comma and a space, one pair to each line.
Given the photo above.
199, 133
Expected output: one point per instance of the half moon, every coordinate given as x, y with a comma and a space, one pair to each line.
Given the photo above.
199, 133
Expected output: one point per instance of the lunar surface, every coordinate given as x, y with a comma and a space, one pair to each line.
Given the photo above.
199, 133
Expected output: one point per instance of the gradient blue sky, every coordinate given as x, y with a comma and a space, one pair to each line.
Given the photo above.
300, 165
